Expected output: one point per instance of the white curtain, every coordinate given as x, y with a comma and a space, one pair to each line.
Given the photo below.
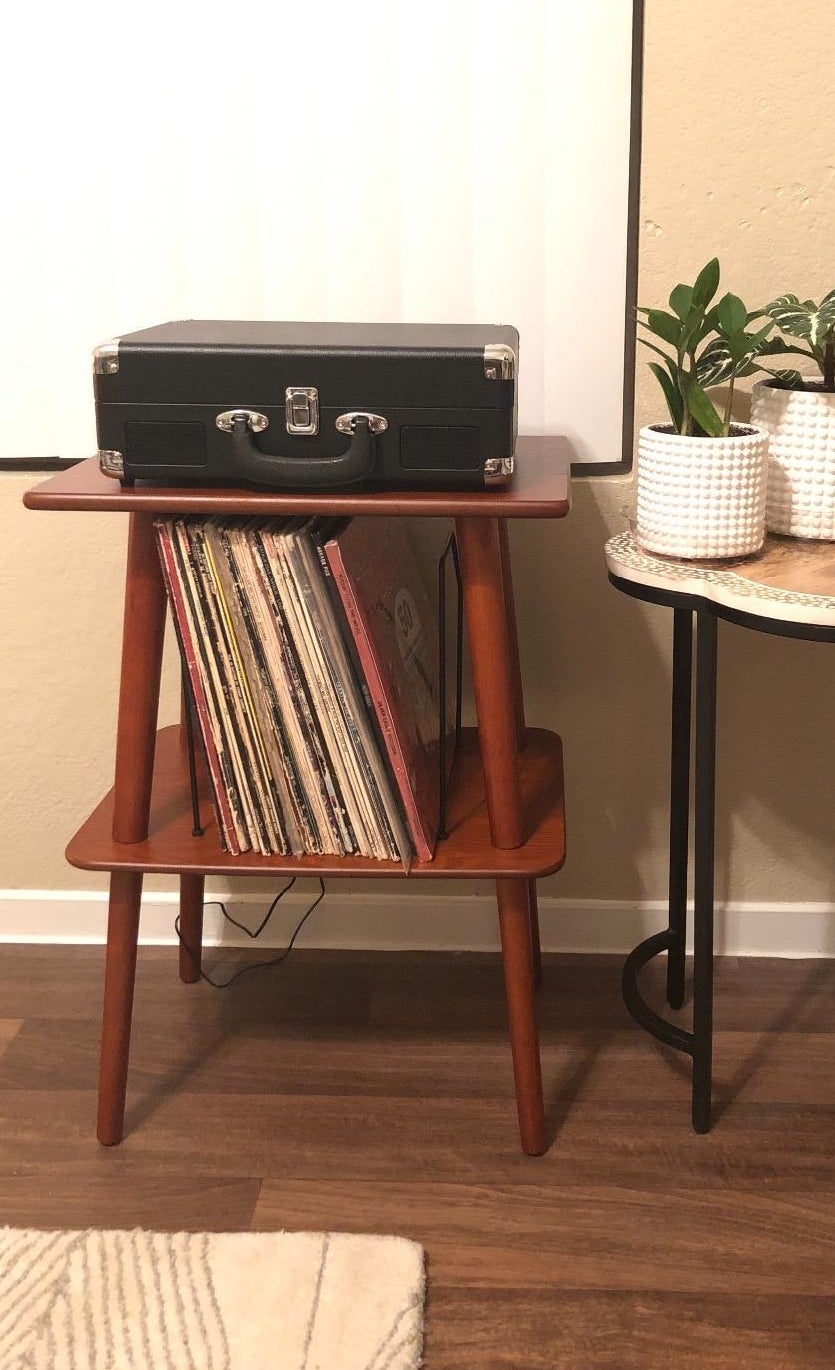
448, 160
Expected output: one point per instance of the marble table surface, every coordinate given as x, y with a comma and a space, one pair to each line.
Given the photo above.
790, 580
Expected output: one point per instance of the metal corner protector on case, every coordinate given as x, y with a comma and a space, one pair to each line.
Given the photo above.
106, 358
111, 463
499, 362
498, 470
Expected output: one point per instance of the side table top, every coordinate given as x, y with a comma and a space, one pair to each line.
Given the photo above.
540, 488
789, 584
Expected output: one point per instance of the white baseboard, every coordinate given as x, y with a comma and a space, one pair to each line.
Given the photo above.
398, 921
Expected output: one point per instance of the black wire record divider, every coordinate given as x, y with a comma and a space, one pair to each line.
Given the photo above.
449, 554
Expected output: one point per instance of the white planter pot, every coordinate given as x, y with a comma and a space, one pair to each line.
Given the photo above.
801, 459
701, 497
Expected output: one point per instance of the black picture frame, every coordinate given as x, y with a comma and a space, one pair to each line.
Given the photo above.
624, 465
607, 468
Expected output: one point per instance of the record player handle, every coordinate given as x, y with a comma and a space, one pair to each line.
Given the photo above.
354, 464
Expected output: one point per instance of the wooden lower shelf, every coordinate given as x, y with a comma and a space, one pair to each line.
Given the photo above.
467, 852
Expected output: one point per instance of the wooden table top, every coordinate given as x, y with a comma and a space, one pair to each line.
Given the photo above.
540, 488
791, 581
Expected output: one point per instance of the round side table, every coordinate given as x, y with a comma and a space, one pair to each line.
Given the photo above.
788, 589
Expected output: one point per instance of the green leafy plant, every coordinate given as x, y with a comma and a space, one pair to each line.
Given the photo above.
711, 346
811, 324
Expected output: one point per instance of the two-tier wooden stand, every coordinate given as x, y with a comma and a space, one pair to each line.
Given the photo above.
505, 806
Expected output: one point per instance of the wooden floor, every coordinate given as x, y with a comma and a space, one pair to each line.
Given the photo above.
373, 1093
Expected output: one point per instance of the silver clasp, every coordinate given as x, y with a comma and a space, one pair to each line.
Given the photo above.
301, 407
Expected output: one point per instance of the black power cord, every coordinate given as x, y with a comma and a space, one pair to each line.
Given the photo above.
257, 965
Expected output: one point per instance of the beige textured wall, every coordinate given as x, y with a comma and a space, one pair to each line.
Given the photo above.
739, 161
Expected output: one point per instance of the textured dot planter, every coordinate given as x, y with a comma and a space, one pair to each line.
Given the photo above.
701, 497
801, 459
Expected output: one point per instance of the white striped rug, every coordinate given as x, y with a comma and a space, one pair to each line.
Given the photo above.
209, 1301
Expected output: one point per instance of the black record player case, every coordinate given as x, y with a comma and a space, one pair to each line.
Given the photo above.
309, 406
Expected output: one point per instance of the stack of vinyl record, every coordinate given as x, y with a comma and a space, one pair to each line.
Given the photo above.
304, 757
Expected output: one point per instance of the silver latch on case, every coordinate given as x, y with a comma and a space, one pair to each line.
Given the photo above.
301, 406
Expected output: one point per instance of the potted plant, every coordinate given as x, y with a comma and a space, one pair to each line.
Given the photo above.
701, 477
798, 413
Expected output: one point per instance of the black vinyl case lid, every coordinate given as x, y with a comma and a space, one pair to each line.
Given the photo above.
215, 361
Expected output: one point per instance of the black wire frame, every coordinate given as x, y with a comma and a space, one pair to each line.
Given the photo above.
197, 829
449, 554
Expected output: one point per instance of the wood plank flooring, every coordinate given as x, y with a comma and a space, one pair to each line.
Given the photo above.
373, 1093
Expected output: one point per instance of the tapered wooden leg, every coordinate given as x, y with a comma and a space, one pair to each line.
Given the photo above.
520, 990
536, 948
519, 711
191, 927
497, 689
479, 549
144, 627
120, 971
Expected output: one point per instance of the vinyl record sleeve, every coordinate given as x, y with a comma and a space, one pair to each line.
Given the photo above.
238, 729
374, 781
394, 625
315, 756
219, 777
266, 730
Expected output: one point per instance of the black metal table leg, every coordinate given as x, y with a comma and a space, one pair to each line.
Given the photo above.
697, 1044
679, 803
705, 806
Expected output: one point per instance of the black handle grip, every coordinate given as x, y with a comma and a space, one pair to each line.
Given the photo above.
306, 473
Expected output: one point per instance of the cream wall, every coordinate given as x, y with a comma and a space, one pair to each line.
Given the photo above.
739, 161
